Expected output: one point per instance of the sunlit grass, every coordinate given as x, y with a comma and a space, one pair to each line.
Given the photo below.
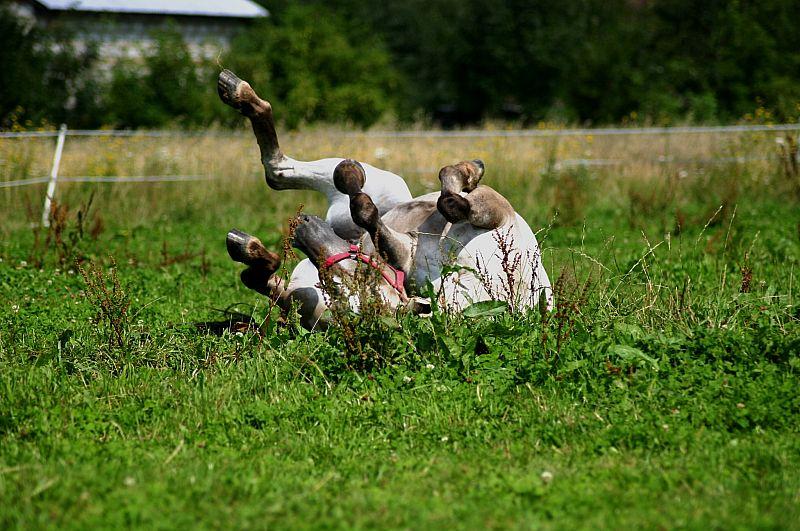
661, 392
516, 166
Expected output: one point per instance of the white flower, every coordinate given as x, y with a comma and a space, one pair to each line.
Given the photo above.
23, 263
429, 366
15, 308
445, 438
129, 481
407, 379
546, 476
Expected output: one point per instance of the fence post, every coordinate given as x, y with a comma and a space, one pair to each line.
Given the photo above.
51, 185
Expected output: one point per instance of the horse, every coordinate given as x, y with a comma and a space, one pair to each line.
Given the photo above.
463, 244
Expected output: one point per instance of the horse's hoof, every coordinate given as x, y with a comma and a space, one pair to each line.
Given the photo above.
229, 87
237, 245
257, 280
349, 177
453, 207
249, 250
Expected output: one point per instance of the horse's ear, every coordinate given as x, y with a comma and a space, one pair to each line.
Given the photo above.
481, 166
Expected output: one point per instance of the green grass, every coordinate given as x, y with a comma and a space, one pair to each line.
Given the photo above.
657, 395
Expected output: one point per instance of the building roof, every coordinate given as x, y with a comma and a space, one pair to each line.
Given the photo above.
197, 8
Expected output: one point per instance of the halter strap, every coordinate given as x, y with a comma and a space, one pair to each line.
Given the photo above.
394, 277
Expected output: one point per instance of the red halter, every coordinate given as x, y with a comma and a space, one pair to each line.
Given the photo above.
394, 277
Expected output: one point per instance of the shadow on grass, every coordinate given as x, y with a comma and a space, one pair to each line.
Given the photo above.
232, 323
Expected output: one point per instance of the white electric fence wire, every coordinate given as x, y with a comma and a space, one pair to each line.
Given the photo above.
63, 132
467, 133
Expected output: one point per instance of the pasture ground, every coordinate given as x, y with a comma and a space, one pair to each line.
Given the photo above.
662, 392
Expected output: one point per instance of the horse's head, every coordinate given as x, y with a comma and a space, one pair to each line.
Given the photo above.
346, 270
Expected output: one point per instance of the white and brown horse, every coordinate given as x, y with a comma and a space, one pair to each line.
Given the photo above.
466, 241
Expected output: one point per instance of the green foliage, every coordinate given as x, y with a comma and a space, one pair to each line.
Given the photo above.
45, 78
739, 57
309, 66
111, 303
165, 87
588, 61
660, 392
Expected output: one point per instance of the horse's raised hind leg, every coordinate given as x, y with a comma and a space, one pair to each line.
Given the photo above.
455, 179
461, 177
481, 206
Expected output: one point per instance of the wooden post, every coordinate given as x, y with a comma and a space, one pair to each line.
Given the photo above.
51, 185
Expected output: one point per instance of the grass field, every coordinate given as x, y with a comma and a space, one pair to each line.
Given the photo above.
662, 391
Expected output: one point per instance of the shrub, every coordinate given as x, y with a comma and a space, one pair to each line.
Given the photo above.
168, 88
30, 59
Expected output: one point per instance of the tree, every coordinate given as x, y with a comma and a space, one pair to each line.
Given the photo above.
44, 77
311, 67
587, 60
164, 87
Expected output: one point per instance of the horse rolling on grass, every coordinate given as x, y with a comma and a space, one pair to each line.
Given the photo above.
466, 241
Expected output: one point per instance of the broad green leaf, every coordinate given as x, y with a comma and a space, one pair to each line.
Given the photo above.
574, 365
628, 353
486, 308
